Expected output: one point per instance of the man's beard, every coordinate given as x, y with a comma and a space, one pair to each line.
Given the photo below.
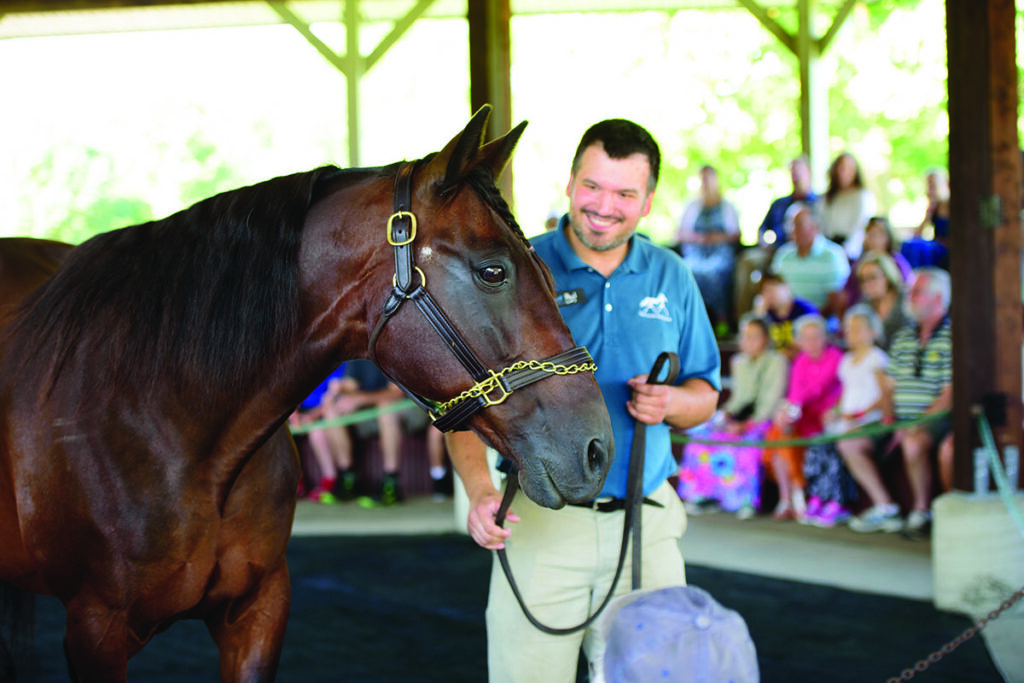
581, 235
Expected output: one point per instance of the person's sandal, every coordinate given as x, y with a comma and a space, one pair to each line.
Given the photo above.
784, 511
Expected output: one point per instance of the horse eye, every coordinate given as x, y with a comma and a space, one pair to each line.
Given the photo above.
493, 275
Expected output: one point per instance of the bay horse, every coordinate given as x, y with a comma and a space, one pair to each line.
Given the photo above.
145, 474
25, 264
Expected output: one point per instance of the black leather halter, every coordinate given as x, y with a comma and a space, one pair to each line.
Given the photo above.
491, 387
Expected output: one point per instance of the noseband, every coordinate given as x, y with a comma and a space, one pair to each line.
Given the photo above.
491, 388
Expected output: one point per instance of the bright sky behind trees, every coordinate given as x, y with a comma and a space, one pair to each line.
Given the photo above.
100, 131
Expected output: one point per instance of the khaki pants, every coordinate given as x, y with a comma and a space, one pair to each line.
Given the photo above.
564, 562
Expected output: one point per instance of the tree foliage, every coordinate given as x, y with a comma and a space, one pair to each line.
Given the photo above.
714, 86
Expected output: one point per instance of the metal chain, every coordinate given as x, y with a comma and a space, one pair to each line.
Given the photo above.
486, 386
959, 640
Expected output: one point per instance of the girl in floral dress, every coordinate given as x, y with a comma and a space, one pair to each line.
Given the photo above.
730, 476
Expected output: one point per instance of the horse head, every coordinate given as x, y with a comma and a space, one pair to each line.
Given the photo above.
523, 388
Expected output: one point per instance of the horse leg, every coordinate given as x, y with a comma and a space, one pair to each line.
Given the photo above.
95, 643
249, 631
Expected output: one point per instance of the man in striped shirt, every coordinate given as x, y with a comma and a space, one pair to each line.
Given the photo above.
920, 383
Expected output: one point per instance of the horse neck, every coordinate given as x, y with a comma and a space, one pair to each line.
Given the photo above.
345, 268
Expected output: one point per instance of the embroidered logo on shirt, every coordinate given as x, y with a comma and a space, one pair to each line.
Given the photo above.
570, 297
655, 307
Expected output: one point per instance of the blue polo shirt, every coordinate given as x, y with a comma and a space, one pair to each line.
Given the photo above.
649, 304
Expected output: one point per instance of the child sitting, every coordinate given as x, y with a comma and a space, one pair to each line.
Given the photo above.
730, 476
862, 374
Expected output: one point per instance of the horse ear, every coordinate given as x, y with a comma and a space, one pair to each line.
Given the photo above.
463, 152
496, 153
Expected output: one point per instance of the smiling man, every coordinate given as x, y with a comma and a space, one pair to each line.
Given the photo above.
626, 300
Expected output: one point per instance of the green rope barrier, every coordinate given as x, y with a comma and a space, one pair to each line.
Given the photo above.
868, 430
1005, 487
352, 418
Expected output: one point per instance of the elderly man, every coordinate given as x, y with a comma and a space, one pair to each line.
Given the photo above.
815, 267
920, 383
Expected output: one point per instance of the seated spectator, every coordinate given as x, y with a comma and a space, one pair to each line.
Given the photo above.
437, 460
708, 233
771, 235
324, 444
730, 476
830, 489
781, 309
930, 244
919, 382
813, 390
881, 287
815, 267
935, 225
878, 239
846, 205
363, 386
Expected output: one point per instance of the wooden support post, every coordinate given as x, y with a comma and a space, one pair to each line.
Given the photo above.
985, 240
490, 64
813, 95
354, 67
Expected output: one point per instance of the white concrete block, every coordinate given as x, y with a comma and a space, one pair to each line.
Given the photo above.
977, 552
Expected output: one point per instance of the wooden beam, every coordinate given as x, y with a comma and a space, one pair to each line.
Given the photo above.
302, 27
400, 27
837, 23
985, 241
761, 14
76, 5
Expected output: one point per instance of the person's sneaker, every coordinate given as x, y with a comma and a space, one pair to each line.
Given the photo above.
347, 485
322, 496
831, 514
700, 506
918, 521
389, 494
878, 518
439, 494
810, 515
746, 512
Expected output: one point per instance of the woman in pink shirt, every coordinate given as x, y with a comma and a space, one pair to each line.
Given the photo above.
814, 388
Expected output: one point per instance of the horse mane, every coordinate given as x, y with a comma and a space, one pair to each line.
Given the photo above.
207, 296
483, 182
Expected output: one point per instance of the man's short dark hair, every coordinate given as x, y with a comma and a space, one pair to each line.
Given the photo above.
620, 139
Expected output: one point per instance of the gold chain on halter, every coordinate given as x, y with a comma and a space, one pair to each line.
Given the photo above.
485, 387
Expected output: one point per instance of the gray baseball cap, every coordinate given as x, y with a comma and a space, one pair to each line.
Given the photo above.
677, 634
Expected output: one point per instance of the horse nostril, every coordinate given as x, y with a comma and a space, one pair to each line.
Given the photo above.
595, 456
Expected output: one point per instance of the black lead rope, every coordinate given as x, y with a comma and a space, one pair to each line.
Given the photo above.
631, 519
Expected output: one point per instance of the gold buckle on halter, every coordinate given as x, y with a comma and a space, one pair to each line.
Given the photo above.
390, 230
486, 395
